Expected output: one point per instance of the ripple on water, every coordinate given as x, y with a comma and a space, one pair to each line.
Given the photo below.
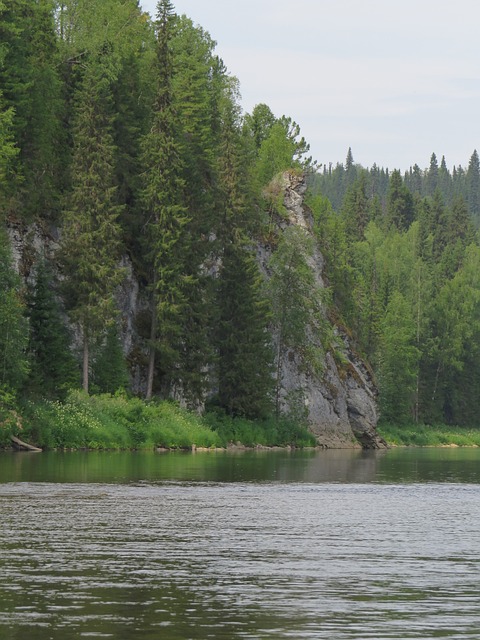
240, 561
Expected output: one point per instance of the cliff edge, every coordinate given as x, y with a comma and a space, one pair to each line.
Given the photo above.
340, 403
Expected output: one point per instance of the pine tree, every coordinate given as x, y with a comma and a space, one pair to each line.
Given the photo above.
259, 123
350, 169
445, 184
241, 339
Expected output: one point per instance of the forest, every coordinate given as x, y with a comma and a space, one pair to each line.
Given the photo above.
123, 140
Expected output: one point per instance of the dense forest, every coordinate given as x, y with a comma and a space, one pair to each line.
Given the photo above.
403, 259
123, 136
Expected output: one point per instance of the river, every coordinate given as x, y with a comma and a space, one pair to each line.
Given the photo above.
255, 545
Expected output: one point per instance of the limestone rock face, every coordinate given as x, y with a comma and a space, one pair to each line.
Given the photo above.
341, 404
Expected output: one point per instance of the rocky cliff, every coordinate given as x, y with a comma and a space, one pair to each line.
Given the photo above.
341, 403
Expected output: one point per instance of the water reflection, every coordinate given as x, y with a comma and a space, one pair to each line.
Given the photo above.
343, 466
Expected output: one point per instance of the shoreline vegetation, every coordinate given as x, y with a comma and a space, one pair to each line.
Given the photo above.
421, 435
118, 422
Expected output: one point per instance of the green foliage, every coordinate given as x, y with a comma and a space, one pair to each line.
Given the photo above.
13, 324
129, 135
53, 369
164, 208
245, 359
398, 366
297, 302
8, 150
91, 240
11, 423
109, 371
276, 153
267, 433
420, 435
113, 422
259, 124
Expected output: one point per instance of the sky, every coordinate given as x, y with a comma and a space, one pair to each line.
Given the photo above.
395, 81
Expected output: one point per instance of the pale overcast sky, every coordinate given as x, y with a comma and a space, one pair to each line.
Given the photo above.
393, 80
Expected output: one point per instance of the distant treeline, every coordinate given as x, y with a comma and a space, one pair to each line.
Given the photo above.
403, 260
334, 181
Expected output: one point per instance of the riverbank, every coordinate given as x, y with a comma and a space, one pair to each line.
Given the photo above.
122, 423
420, 435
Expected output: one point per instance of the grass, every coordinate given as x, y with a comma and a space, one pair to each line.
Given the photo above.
118, 422
268, 433
419, 435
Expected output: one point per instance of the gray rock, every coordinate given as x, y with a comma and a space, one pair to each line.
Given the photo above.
340, 406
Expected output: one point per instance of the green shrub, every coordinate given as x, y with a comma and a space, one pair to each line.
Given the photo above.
420, 435
269, 432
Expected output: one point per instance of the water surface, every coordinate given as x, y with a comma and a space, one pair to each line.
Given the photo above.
255, 545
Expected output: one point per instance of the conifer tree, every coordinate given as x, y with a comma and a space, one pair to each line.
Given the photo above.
8, 150
356, 208
350, 169
53, 369
245, 365
91, 242
241, 340
445, 181
431, 178
400, 207
259, 123
13, 324
164, 209
109, 371
473, 187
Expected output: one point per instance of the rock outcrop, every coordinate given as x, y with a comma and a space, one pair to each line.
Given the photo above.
340, 405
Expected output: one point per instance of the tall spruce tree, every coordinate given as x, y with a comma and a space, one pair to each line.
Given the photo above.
164, 209
356, 208
91, 242
473, 187
53, 369
400, 206
242, 344
431, 176
245, 363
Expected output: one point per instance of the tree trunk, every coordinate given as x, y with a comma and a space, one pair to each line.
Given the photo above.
151, 360
86, 358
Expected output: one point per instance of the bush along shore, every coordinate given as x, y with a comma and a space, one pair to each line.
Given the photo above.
118, 422
420, 435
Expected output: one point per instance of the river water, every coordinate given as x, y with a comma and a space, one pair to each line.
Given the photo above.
334, 545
